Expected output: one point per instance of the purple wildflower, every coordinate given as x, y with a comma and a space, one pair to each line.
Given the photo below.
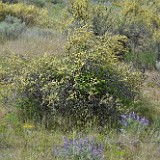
138, 118
103, 157
66, 143
81, 148
144, 121
100, 148
55, 151
124, 123
123, 116
95, 152
132, 117
108, 3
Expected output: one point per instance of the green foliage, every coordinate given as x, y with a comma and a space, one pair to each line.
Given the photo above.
56, 1
11, 28
28, 108
102, 18
139, 21
79, 9
39, 86
38, 3
85, 12
31, 15
144, 60
89, 83
10, 66
10, 1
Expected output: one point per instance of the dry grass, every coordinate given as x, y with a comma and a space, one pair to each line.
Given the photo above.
151, 90
35, 46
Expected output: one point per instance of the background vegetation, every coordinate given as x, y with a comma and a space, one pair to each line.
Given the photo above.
79, 79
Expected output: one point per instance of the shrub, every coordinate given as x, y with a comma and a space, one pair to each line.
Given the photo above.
57, 1
138, 20
36, 98
102, 19
11, 28
10, 1
31, 15
87, 84
38, 3
10, 66
99, 15
80, 13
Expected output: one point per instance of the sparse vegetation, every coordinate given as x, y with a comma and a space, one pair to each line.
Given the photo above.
79, 79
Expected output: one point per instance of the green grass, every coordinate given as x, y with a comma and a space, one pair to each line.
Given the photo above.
30, 141
145, 59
